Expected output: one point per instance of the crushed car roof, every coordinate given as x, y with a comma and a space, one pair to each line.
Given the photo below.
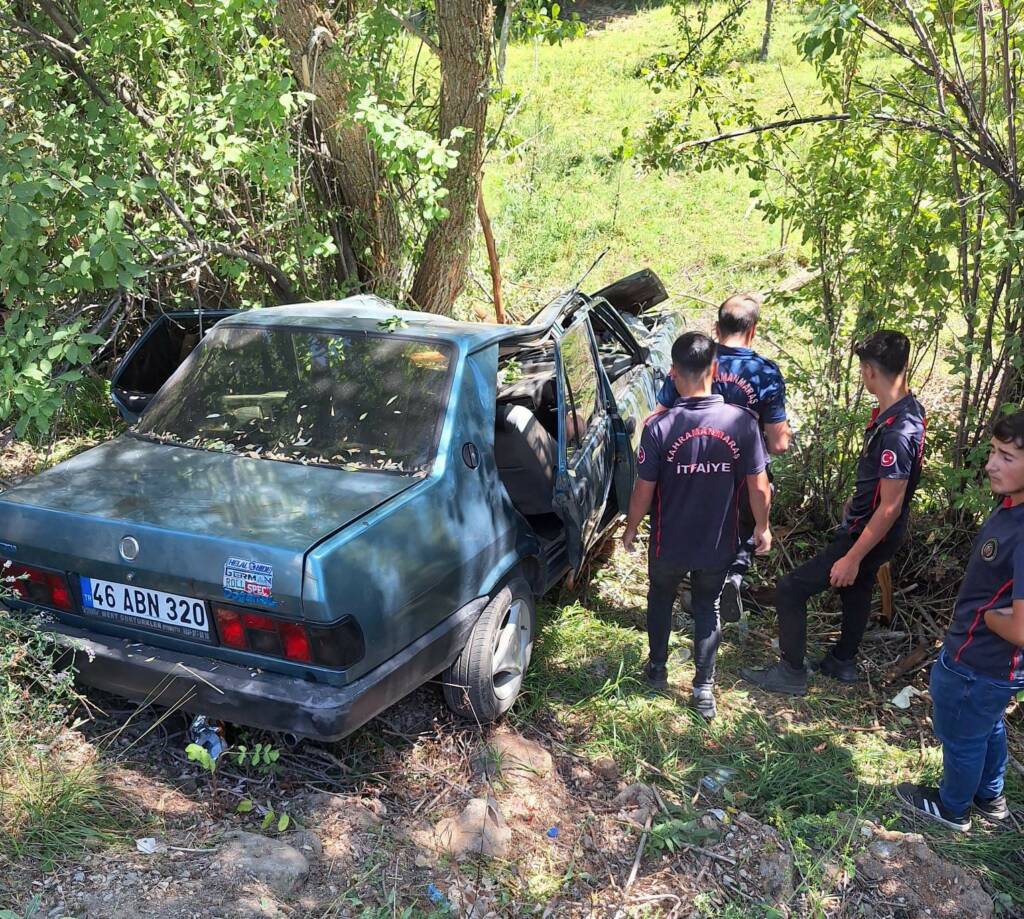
366, 313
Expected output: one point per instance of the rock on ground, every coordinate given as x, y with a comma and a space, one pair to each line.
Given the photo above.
901, 868
479, 830
281, 866
514, 758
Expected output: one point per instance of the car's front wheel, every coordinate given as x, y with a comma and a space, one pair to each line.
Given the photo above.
484, 681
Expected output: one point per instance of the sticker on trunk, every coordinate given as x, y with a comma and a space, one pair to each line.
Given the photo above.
249, 581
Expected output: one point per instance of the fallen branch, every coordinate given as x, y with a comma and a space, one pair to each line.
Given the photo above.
639, 853
909, 662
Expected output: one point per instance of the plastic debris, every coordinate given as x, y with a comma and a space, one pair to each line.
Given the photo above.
553, 833
903, 697
207, 735
147, 845
436, 896
716, 779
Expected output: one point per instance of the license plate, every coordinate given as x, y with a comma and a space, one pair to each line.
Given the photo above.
130, 605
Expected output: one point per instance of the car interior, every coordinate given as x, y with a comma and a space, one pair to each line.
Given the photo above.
526, 421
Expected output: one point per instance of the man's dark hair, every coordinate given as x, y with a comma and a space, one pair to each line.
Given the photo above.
693, 354
1010, 429
889, 351
739, 313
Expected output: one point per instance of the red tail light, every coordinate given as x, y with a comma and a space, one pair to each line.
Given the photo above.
229, 624
338, 646
36, 585
296, 642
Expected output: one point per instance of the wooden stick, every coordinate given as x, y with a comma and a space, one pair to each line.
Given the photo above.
915, 658
639, 853
492, 255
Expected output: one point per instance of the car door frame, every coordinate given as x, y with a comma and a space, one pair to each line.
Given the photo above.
627, 428
581, 518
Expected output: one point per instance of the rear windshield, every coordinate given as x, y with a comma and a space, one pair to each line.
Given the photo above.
353, 400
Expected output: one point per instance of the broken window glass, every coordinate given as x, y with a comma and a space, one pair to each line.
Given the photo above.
353, 400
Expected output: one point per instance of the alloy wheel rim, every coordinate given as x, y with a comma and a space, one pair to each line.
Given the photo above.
513, 646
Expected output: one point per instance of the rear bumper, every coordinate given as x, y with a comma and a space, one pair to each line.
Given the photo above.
259, 699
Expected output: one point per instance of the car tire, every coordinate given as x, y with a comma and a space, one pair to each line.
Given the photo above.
486, 677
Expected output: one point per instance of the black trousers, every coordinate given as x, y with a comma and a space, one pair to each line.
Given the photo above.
706, 588
797, 587
745, 552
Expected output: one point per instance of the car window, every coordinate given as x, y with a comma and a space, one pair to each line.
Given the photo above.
357, 401
615, 343
580, 381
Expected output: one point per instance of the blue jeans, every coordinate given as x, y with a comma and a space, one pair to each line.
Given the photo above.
706, 588
967, 714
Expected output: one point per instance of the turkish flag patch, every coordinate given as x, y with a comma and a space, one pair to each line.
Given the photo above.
640, 455
888, 459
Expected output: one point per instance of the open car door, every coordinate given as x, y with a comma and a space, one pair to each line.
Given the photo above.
586, 448
160, 350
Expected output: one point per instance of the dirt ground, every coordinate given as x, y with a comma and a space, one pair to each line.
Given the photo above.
421, 816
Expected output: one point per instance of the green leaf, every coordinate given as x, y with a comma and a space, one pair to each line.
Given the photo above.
268, 819
282, 823
244, 806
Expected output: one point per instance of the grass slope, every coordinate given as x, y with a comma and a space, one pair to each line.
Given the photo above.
562, 198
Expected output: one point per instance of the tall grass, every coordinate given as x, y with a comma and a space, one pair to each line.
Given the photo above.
54, 801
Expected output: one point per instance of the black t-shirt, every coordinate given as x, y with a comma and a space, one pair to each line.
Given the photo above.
994, 579
893, 449
699, 452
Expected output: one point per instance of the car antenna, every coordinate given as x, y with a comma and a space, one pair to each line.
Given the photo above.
586, 274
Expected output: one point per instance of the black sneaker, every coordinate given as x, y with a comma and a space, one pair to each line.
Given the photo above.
656, 675
924, 801
704, 702
730, 604
831, 666
781, 677
994, 809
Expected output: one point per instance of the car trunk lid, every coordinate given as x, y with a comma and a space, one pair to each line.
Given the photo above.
194, 514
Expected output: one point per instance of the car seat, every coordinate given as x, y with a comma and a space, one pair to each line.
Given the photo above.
526, 455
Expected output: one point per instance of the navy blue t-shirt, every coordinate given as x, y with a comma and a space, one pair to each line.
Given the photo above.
893, 449
746, 379
994, 579
699, 452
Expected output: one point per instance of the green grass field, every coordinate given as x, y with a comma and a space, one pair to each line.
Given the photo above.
562, 198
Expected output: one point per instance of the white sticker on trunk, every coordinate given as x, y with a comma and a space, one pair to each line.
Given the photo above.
249, 581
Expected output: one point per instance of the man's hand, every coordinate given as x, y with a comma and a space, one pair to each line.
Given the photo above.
762, 541
628, 539
844, 572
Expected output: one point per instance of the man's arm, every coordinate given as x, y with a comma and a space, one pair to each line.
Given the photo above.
760, 490
668, 394
890, 503
639, 505
779, 436
1008, 623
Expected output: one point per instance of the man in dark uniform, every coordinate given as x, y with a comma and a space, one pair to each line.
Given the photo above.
874, 523
692, 461
753, 382
981, 666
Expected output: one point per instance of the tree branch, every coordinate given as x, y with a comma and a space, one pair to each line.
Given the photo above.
414, 30
969, 151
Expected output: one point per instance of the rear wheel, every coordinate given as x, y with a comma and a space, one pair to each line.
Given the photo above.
486, 678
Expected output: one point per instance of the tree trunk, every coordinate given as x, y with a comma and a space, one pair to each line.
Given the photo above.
464, 33
311, 36
769, 8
